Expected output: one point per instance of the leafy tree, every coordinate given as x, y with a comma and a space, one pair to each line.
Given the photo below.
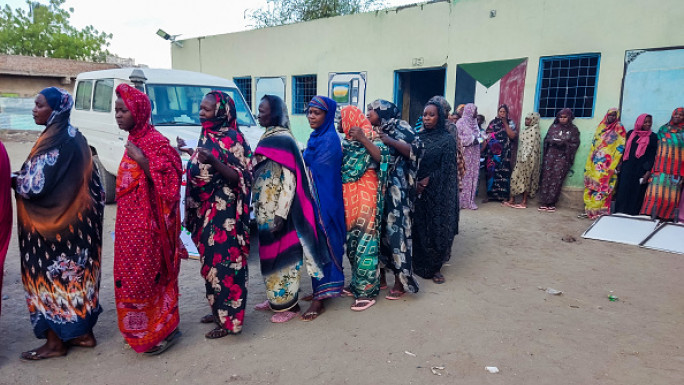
45, 31
279, 12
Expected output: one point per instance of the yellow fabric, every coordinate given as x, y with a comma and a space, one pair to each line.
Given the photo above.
606, 151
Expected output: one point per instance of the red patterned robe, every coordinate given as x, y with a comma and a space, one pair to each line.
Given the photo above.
147, 248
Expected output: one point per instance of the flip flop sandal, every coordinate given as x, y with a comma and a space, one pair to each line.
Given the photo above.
165, 344
207, 319
217, 332
551, 209
543, 208
438, 278
33, 355
282, 317
519, 206
312, 315
505, 203
347, 293
264, 306
357, 306
394, 295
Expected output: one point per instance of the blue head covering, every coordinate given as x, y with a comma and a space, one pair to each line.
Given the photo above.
323, 156
53, 95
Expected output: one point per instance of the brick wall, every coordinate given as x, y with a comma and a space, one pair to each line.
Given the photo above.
25, 76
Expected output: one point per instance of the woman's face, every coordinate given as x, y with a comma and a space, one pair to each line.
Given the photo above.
528, 121
502, 113
430, 117
124, 117
677, 117
316, 117
264, 116
41, 110
648, 123
373, 118
207, 108
563, 119
611, 117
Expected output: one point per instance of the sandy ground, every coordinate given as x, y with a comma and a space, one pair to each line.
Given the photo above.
490, 312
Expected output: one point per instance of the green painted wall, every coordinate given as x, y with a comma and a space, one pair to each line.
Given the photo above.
446, 34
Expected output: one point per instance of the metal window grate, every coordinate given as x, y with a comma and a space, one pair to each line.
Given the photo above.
303, 89
567, 81
245, 87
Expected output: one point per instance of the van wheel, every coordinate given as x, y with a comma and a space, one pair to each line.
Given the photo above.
108, 181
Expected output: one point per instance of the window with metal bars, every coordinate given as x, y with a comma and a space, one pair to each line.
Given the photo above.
303, 90
567, 81
245, 86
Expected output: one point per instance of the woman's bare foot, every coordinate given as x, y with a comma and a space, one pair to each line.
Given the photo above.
85, 341
315, 309
54, 347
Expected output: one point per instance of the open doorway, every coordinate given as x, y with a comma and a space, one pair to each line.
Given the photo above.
413, 88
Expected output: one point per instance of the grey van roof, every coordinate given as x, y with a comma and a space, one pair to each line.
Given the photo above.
160, 76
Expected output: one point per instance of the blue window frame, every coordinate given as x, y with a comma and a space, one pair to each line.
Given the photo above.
244, 84
303, 90
567, 81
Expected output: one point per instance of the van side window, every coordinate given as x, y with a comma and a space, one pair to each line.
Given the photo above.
102, 100
84, 92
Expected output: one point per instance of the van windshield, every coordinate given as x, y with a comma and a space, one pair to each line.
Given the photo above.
178, 105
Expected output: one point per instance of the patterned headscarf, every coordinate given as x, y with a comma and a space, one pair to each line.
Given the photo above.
352, 116
385, 110
567, 112
441, 117
681, 111
442, 102
58, 128
220, 124
467, 121
534, 118
616, 123
643, 137
59, 101
279, 116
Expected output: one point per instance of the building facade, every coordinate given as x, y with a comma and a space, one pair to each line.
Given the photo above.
589, 55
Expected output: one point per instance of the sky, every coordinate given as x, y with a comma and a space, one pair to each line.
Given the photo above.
134, 23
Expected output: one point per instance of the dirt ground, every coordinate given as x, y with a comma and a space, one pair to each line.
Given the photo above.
490, 312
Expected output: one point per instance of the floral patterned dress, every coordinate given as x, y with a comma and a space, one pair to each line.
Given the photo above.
217, 216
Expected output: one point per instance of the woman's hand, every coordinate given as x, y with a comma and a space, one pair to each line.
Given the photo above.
357, 134
386, 139
422, 184
183, 147
135, 153
205, 156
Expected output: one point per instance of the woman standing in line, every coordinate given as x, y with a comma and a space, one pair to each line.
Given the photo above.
285, 210
217, 211
60, 207
665, 184
525, 177
396, 244
323, 156
5, 210
560, 145
436, 218
147, 247
599, 171
500, 133
635, 169
364, 176
469, 132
